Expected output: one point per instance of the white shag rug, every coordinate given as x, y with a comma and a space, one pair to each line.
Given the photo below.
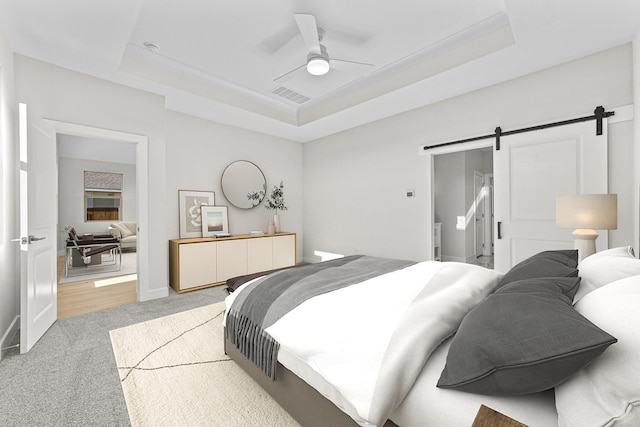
174, 372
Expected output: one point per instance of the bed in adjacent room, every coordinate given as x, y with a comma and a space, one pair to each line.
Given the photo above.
372, 341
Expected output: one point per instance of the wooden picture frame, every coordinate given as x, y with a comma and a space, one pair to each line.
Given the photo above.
190, 203
215, 221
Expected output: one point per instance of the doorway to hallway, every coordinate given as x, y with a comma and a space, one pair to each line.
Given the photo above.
463, 204
98, 287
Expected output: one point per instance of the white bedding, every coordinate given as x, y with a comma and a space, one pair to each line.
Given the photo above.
428, 405
365, 357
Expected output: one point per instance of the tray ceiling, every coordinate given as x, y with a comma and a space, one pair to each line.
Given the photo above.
222, 60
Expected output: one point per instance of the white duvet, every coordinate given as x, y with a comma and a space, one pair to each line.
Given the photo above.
363, 346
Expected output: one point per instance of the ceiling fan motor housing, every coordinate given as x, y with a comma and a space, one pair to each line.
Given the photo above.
318, 63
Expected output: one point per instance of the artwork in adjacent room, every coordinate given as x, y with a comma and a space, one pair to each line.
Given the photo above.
103, 196
191, 203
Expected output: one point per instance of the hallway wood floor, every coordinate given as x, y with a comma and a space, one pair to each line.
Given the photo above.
85, 296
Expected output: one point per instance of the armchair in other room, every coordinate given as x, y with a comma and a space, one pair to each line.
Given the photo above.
90, 248
126, 232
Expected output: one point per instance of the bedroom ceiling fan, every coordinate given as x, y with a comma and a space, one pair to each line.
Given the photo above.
318, 61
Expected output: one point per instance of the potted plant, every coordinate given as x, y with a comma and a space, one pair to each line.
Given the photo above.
276, 202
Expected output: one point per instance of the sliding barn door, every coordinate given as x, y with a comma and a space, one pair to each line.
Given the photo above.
530, 170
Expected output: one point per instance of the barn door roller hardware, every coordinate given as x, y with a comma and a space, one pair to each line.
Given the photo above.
598, 115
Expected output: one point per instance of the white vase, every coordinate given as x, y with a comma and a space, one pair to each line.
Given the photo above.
272, 228
276, 222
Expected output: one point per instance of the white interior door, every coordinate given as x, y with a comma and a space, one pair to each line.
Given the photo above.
488, 215
478, 184
38, 219
530, 170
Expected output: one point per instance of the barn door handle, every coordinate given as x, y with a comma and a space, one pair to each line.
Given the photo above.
499, 230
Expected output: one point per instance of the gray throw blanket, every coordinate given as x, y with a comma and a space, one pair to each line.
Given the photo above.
266, 300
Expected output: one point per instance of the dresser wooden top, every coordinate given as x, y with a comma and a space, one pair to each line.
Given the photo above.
233, 237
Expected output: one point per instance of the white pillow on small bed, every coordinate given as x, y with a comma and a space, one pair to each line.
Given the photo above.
607, 392
605, 267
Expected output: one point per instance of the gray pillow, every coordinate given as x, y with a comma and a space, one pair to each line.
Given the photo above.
524, 338
562, 263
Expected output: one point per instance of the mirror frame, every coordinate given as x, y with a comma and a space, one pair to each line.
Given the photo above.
235, 179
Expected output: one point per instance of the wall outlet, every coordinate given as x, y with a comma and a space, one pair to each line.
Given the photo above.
410, 194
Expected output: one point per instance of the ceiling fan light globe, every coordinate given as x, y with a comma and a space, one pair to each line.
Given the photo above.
318, 66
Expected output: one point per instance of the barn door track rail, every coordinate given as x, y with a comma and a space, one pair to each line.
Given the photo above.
598, 115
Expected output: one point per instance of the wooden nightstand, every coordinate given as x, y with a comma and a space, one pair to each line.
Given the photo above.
487, 417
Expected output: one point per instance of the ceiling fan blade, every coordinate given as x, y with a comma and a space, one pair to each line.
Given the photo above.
351, 66
279, 39
352, 62
289, 74
348, 37
309, 30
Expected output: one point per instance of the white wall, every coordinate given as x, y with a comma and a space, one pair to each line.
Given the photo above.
80, 147
449, 196
635, 141
66, 96
71, 195
454, 188
474, 161
9, 271
357, 204
199, 150
183, 152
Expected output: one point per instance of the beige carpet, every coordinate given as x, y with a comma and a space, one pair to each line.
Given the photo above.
174, 372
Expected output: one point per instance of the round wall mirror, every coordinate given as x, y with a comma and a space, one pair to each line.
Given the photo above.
243, 184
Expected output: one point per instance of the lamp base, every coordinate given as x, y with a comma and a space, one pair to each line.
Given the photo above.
585, 242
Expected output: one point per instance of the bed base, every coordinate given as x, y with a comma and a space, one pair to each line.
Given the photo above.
304, 403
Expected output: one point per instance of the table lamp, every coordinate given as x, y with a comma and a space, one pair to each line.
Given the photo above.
587, 213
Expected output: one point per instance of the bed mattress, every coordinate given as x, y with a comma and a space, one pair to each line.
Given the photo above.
425, 404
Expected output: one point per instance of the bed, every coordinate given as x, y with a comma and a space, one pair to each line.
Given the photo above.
371, 341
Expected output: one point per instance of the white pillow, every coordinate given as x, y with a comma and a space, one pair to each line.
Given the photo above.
607, 391
605, 267
124, 231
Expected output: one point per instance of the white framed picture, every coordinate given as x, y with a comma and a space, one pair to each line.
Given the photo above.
214, 221
190, 216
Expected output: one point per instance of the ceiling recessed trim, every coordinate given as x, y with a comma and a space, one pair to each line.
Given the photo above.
290, 106
479, 40
226, 54
155, 67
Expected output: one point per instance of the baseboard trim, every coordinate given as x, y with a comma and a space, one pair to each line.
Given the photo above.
471, 259
8, 335
150, 294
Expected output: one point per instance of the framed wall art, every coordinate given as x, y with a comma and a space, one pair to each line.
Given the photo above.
214, 221
190, 217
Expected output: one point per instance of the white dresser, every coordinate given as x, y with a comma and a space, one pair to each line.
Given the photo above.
202, 262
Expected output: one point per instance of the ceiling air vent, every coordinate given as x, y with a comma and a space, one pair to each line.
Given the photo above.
290, 95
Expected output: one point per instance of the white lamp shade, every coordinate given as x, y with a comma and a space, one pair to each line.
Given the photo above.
588, 211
